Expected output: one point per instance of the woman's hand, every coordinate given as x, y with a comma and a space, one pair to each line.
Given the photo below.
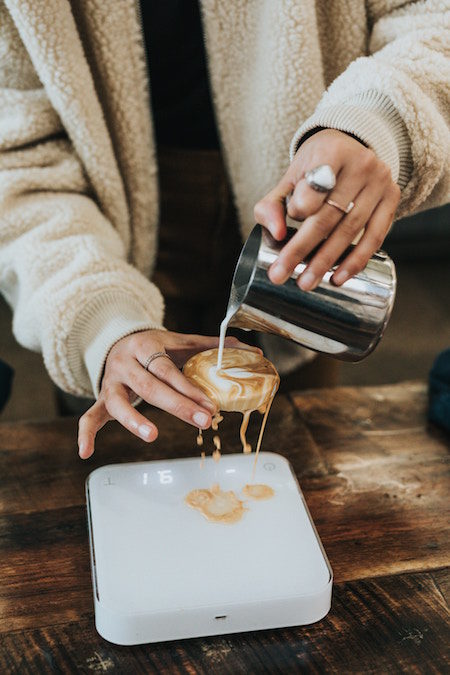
360, 178
163, 385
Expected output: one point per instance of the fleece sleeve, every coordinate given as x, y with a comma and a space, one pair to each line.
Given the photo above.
63, 266
396, 99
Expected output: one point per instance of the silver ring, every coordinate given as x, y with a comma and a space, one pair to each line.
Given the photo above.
347, 209
322, 178
154, 356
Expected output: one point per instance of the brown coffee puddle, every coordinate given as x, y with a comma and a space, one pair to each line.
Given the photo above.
216, 505
246, 382
225, 507
258, 491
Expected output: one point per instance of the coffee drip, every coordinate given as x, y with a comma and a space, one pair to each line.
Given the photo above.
244, 382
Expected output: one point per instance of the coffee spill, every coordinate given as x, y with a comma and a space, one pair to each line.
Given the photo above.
216, 505
239, 380
216, 454
219, 506
258, 491
216, 420
246, 382
246, 447
261, 433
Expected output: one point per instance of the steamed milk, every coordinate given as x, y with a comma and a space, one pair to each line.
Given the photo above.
237, 380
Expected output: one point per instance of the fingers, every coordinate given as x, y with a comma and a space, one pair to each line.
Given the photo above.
271, 210
305, 201
376, 230
119, 408
88, 426
165, 387
343, 235
357, 169
166, 371
163, 396
116, 407
313, 231
180, 347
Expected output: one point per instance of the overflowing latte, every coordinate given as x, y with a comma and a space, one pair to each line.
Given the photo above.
244, 382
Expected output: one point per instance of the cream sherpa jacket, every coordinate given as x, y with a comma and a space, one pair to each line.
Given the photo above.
78, 181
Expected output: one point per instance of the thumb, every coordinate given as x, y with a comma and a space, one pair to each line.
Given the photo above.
270, 211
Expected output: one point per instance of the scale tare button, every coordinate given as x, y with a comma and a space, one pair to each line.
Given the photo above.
269, 466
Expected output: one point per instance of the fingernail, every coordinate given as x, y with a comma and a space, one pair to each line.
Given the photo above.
308, 280
81, 448
340, 277
200, 419
278, 273
144, 431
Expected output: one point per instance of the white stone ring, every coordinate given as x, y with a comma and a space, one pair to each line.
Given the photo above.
154, 356
321, 179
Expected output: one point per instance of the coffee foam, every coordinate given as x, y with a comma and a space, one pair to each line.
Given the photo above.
216, 505
246, 381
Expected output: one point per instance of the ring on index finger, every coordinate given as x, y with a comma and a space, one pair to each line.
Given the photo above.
155, 355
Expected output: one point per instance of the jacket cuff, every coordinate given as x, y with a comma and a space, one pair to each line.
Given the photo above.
371, 117
107, 318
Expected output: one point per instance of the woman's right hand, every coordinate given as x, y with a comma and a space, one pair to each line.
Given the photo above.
162, 385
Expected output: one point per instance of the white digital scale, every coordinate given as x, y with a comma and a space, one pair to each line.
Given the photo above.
162, 571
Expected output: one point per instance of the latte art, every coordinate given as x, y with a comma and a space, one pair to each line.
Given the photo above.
245, 382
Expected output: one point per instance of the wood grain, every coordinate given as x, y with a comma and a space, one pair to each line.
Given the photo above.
375, 477
389, 624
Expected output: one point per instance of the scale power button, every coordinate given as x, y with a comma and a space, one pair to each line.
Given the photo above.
269, 466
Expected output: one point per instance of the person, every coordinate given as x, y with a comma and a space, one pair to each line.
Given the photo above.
357, 87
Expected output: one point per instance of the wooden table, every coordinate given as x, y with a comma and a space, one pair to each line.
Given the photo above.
376, 481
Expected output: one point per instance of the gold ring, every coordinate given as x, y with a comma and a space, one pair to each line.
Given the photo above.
154, 356
346, 210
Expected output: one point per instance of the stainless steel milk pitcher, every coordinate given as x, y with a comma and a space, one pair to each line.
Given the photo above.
345, 321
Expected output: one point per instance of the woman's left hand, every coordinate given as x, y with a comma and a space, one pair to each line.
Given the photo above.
360, 178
